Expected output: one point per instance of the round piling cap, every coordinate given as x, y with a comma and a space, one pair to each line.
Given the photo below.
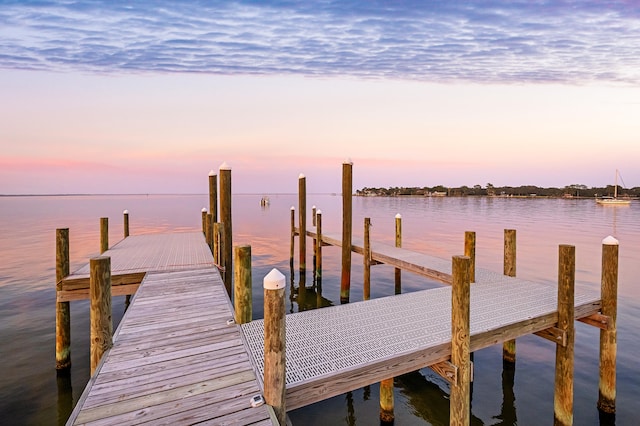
610, 241
125, 212
274, 280
292, 208
313, 207
225, 166
301, 176
204, 210
347, 161
318, 211
398, 216
212, 173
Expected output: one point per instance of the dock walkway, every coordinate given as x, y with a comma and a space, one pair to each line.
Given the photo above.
174, 360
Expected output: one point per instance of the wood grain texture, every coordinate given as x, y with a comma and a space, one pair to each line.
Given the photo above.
608, 336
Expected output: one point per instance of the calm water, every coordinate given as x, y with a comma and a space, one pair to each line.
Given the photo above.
31, 392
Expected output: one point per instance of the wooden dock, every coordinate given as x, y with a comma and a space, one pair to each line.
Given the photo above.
175, 358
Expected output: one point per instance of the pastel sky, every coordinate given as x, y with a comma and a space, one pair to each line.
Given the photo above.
149, 96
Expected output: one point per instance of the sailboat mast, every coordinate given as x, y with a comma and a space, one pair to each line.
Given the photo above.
615, 188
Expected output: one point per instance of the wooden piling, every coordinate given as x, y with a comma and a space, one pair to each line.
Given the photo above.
366, 292
509, 264
100, 311
386, 401
347, 220
319, 250
213, 196
227, 234
398, 271
563, 395
217, 243
470, 252
242, 293
302, 225
63, 313
608, 337
208, 233
204, 221
274, 343
314, 242
104, 234
293, 237
126, 223
460, 402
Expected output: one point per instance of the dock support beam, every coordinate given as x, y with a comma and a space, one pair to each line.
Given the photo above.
398, 271
608, 337
563, 395
347, 221
104, 234
366, 290
225, 216
213, 196
274, 344
302, 225
126, 223
100, 311
63, 313
509, 346
460, 403
242, 294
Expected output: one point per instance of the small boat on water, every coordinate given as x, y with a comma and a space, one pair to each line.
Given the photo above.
264, 201
614, 201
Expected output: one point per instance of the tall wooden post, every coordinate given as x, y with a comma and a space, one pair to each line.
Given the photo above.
204, 221
608, 337
104, 234
460, 403
217, 243
227, 235
397, 271
509, 346
63, 313
274, 344
470, 252
366, 292
302, 225
100, 311
126, 223
314, 242
319, 250
563, 395
347, 220
242, 294
293, 238
213, 196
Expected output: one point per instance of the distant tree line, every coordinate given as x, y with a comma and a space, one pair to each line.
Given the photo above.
569, 191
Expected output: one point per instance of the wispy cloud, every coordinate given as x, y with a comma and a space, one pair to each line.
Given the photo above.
478, 41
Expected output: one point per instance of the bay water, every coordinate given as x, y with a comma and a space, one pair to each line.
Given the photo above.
32, 393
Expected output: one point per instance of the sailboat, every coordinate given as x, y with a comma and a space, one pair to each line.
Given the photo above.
613, 201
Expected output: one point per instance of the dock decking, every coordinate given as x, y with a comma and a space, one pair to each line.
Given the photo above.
174, 360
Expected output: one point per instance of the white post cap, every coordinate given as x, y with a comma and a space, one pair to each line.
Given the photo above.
398, 216
274, 280
293, 208
204, 210
212, 173
610, 241
347, 161
125, 212
301, 176
313, 207
225, 166
318, 211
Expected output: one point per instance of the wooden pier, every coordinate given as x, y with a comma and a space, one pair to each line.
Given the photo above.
175, 359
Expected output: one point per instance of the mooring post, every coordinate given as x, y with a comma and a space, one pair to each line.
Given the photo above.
366, 291
319, 250
509, 346
208, 231
563, 394
204, 221
397, 271
104, 234
460, 402
302, 225
347, 220
213, 196
293, 238
217, 243
242, 294
100, 311
314, 242
274, 343
63, 313
608, 337
470, 252
227, 235
126, 223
